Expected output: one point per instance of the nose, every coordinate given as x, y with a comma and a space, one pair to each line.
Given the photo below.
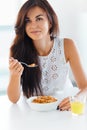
33, 24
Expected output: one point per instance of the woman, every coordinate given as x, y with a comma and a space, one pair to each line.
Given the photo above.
37, 41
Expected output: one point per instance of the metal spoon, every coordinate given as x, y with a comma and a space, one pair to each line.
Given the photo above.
30, 66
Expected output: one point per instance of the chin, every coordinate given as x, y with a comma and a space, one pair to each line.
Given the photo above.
36, 38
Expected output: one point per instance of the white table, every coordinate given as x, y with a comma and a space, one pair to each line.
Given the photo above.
20, 117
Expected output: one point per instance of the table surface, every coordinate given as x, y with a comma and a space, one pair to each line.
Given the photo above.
20, 117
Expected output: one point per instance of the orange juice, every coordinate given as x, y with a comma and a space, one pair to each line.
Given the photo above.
77, 107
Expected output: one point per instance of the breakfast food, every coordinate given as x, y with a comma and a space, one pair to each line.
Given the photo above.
32, 65
44, 99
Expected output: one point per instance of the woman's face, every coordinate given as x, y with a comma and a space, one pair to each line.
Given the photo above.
37, 24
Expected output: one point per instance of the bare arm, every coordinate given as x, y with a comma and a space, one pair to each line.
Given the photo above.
13, 89
72, 56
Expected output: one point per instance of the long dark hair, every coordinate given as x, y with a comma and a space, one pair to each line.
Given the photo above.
23, 48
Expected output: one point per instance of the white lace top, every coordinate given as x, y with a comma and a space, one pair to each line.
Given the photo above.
55, 69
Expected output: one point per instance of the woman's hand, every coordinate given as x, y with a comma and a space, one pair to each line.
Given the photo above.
15, 67
65, 104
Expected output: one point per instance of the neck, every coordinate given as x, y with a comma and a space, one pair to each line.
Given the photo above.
44, 46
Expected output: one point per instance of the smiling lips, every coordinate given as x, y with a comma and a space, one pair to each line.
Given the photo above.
35, 32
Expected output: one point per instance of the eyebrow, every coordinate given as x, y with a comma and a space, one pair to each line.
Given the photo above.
36, 16
39, 15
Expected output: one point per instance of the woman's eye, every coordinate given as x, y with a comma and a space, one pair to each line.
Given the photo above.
38, 19
27, 20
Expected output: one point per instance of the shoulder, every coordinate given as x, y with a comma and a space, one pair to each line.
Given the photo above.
68, 42
69, 48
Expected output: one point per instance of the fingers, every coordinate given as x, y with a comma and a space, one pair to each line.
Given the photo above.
15, 67
65, 105
13, 64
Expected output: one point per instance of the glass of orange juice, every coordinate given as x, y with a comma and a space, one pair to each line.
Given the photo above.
78, 104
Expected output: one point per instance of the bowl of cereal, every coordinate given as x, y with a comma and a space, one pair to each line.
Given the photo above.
43, 103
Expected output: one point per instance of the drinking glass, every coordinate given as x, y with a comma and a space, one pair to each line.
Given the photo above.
78, 104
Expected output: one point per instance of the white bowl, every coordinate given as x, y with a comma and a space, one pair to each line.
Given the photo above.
42, 107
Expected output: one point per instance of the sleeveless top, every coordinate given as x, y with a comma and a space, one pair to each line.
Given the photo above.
55, 70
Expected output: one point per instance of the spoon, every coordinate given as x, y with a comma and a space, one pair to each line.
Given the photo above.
30, 66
